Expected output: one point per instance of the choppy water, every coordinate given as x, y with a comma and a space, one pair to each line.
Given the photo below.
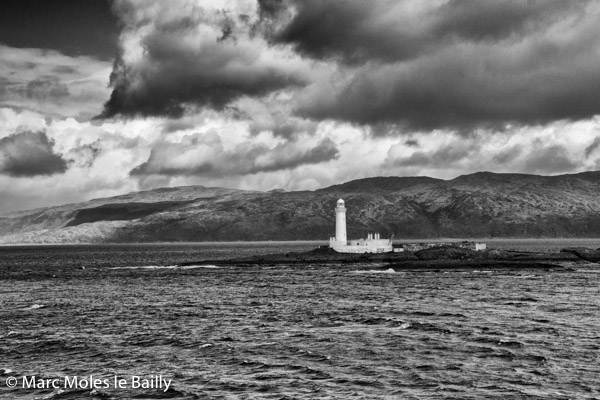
292, 332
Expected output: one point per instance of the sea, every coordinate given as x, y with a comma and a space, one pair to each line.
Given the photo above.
126, 322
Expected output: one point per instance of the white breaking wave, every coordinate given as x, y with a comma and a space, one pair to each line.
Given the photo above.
35, 306
376, 271
167, 267
147, 267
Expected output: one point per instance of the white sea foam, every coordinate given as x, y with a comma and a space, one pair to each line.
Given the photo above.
376, 271
35, 306
147, 267
167, 267
55, 393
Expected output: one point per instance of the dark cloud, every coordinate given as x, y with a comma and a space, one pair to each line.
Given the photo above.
205, 155
468, 86
178, 124
29, 154
459, 65
593, 146
412, 143
283, 126
270, 8
46, 87
386, 129
399, 66
349, 30
446, 156
548, 160
84, 155
357, 31
193, 57
64, 69
538, 156
42, 88
495, 20
72, 27
507, 156
418, 158
3, 85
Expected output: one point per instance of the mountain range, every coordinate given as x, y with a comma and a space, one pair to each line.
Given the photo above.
478, 205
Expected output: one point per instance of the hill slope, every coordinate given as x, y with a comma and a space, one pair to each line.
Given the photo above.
478, 205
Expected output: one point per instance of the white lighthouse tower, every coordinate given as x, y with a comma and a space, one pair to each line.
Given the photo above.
340, 223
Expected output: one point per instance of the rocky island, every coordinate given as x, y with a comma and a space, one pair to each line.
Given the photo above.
439, 257
380, 252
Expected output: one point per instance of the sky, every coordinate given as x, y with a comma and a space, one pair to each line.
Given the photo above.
100, 98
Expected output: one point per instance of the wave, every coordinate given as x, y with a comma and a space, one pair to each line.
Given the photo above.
34, 307
147, 267
167, 267
375, 271
75, 394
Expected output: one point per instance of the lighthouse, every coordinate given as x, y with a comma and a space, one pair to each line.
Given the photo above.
340, 243
340, 223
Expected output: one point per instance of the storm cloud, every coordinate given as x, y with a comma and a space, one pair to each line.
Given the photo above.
29, 154
194, 54
416, 66
535, 67
358, 31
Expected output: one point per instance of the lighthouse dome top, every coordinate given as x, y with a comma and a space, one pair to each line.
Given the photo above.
340, 203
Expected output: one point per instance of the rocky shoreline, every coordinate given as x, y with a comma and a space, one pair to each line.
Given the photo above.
441, 257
